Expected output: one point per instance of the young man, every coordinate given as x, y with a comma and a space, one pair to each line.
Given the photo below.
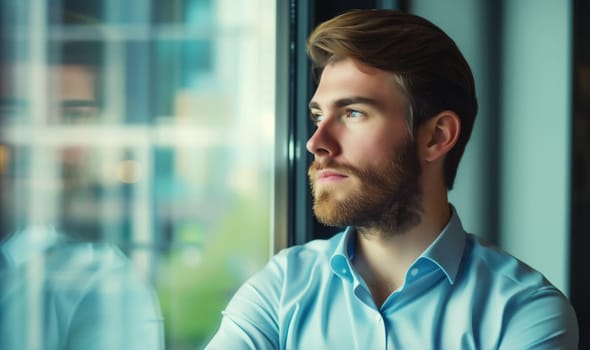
394, 109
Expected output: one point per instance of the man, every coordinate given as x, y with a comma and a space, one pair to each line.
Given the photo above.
60, 286
394, 109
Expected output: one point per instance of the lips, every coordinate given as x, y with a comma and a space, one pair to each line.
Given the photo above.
329, 176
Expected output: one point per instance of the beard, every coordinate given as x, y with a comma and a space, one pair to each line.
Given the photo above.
386, 197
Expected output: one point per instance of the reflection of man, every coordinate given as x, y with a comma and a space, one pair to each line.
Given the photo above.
393, 110
77, 91
72, 97
57, 291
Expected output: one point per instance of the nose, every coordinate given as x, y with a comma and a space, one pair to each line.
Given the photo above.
322, 142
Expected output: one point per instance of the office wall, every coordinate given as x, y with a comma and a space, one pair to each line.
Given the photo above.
536, 119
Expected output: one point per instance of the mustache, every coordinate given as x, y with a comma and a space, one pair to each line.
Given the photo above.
345, 169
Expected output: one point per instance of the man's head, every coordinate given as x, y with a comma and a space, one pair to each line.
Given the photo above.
394, 93
73, 95
428, 66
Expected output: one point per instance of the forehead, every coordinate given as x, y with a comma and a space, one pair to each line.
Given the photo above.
348, 78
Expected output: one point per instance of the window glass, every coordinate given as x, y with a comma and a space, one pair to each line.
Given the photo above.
136, 168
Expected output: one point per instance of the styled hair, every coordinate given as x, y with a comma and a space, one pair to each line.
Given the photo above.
426, 62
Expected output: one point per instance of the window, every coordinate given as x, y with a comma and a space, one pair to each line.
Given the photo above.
139, 136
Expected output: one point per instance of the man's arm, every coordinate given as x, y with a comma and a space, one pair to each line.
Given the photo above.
251, 319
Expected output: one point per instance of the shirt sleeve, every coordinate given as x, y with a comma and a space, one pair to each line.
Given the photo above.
546, 320
250, 321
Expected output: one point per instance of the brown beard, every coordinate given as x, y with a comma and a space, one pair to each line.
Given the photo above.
387, 197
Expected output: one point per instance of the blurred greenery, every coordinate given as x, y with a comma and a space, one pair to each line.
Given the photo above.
197, 280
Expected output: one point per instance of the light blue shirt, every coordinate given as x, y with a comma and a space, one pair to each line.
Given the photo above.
460, 293
60, 294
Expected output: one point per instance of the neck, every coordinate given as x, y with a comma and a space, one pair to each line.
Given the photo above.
382, 257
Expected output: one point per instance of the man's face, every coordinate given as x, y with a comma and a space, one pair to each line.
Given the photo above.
366, 169
70, 99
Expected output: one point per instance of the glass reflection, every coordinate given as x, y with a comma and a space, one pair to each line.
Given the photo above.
63, 286
148, 125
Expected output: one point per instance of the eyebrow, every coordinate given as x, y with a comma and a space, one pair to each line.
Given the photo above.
343, 102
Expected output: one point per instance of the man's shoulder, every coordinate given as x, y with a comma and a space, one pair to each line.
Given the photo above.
80, 267
533, 310
299, 261
85, 258
485, 261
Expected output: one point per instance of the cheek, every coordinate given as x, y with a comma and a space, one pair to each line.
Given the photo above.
370, 153
375, 144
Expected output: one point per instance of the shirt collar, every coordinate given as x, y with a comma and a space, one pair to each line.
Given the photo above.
25, 244
446, 251
340, 261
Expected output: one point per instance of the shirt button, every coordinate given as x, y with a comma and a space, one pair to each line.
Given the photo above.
414, 271
344, 271
378, 318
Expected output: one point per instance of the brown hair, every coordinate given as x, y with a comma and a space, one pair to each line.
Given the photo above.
427, 63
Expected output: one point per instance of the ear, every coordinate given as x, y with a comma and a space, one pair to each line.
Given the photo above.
439, 135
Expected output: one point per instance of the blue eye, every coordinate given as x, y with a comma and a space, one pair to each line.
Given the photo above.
316, 118
351, 113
